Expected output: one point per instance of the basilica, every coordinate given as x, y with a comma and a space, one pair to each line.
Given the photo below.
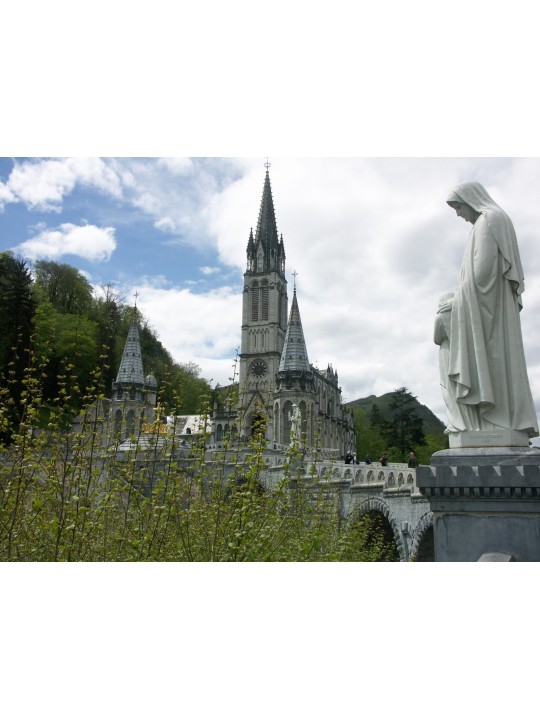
280, 394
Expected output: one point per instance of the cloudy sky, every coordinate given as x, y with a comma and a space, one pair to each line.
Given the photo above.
372, 240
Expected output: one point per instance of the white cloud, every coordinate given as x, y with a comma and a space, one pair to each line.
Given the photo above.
177, 166
88, 241
201, 328
206, 270
43, 184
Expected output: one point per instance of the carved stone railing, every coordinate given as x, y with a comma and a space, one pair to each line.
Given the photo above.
396, 477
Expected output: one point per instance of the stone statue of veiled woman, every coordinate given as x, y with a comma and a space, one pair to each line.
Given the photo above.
296, 423
485, 385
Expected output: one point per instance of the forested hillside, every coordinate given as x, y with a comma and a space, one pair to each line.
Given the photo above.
50, 317
396, 424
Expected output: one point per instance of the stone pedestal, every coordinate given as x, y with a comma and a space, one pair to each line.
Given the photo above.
497, 437
485, 503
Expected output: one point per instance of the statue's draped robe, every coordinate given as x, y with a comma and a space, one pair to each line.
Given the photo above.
486, 368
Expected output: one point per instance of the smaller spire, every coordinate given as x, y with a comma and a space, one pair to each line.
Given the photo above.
131, 371
294, 354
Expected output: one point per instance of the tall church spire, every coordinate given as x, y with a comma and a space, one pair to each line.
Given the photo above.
266, 224
266, 250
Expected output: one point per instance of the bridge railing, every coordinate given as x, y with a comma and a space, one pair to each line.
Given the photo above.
393, 477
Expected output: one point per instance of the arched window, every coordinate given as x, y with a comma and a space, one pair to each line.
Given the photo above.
304, 427
264, 300
255, 301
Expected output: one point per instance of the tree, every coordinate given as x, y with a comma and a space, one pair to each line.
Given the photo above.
107, 313
17, 306
368, 435
68, 345
377, 419
404, 430
63, 286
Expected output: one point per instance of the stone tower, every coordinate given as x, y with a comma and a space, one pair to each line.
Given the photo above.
295, 384
264, 318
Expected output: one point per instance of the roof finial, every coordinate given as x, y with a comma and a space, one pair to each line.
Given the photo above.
267, 165
136, 295
294, 276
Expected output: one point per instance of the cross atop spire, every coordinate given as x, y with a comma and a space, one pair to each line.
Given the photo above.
294, 281
267, 165
136, 295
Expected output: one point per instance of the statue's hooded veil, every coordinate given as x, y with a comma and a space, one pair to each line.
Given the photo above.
476, 196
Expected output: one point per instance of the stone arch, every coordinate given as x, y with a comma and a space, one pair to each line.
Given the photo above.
391, 480
400, 479
376, 505
422, 533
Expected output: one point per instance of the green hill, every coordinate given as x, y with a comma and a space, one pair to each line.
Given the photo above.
432, 424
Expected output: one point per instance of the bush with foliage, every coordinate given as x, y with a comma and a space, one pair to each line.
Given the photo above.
70, 495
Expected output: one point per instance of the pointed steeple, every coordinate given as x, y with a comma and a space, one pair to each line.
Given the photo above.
294, 355
131, 373
266, 224
265, 251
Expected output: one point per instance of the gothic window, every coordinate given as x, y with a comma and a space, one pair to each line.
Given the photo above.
255, 301
304, 427
219, 433
264, 301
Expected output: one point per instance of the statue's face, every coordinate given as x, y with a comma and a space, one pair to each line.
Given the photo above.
466, 212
